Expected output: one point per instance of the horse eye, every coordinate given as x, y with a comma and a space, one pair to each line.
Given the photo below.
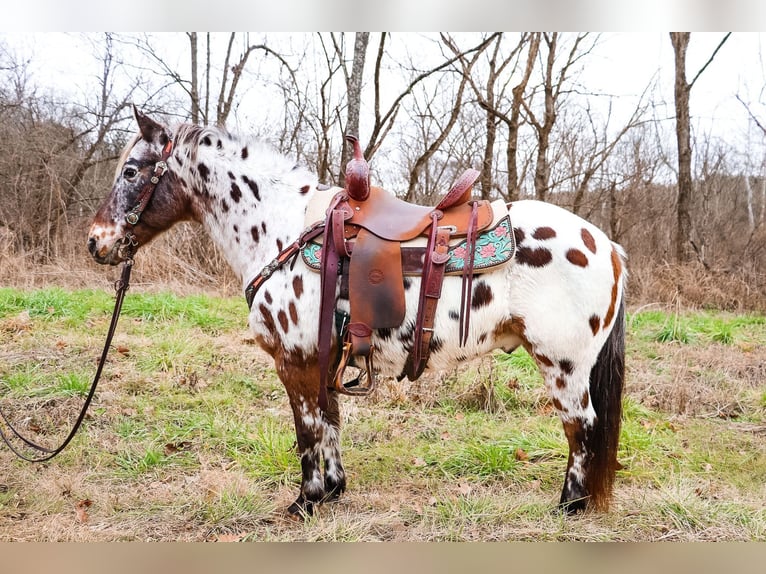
129, 172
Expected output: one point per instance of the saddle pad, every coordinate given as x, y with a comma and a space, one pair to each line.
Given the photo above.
494, 247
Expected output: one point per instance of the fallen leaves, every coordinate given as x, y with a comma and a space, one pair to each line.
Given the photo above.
18, 324
173, 448
81, 510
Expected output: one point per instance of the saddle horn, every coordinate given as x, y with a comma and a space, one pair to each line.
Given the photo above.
357, 173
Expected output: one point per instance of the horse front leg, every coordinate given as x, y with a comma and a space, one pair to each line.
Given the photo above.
301, 382
317, 434
334, 474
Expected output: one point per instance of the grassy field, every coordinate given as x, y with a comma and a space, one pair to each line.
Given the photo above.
190, 437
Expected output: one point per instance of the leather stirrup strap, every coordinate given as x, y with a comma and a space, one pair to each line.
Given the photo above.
467, 287
329, 280
437, 254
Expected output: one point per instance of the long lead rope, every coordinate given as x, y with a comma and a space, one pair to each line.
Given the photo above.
121, 286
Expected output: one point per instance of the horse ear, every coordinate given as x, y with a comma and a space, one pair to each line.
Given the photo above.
150, 130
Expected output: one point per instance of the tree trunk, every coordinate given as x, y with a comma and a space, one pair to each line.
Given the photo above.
680, 41
194, 79
354, 96
513, 125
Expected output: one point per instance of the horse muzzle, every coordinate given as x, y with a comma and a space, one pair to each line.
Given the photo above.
110, 254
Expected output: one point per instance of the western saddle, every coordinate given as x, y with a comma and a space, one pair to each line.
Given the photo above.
371, 239
365, 227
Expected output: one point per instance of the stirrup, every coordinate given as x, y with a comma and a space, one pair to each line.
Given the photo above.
355, 387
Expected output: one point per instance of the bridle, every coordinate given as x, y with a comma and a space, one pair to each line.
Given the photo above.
121, 286
145, 195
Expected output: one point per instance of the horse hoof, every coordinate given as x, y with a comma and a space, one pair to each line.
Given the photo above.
334, 490
301, 509
573, 507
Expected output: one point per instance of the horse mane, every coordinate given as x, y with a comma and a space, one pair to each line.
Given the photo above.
191, 136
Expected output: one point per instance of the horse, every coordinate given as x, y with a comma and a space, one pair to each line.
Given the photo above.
561, 297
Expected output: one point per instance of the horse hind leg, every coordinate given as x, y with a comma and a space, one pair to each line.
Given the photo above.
571, 397
589, 403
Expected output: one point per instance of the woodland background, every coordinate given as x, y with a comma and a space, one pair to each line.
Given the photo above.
689, 207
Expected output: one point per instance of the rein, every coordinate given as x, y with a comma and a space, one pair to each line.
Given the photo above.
130, 243
120, 286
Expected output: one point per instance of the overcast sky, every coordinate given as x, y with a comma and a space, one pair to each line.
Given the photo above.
623, 64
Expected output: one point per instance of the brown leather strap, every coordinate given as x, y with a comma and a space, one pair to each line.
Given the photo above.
467, 286
329, 281
280, 260
437, 254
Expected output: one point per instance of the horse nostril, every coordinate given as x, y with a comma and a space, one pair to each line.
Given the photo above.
92, 246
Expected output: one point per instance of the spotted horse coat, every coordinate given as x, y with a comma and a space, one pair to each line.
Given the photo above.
562, 298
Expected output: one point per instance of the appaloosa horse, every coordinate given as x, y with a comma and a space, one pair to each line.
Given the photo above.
561, 297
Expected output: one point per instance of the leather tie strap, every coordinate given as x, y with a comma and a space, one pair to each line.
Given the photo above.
437, 254
329, 280
467, 287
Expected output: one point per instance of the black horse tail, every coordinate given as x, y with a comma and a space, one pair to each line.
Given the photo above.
607, 379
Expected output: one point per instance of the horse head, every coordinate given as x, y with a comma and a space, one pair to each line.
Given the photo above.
144, 200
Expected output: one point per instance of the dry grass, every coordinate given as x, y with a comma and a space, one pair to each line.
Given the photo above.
698, 288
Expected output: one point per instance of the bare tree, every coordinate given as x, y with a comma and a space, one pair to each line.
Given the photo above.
554, 83
685, 229
492, 98
443, 128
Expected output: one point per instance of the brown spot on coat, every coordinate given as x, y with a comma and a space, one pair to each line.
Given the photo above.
585, 400
518, 235
293, 313
560, 383
305, 189
595, 324
244, 153
588, 240
268, 319
558, 405
254, 233
616, 272
482, 295
282, 317
253, 187
543, 360
236, 193
543, 233
298, 286
539, 257
268, 298
566, 366
577, 257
